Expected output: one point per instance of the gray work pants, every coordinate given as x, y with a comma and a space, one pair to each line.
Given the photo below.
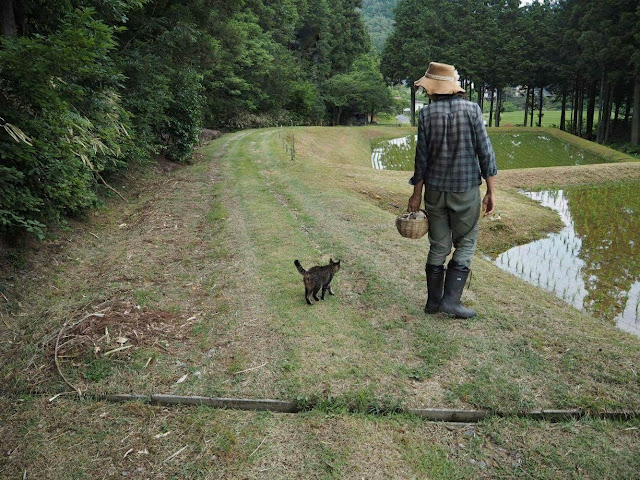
453, 221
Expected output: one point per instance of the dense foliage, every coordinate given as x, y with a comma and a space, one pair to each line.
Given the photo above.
107, 82
378, 17
586, 51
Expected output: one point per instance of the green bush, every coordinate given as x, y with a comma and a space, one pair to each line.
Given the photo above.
65, 100
183, 118
509, 107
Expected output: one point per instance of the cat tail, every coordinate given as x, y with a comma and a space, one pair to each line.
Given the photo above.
299, 267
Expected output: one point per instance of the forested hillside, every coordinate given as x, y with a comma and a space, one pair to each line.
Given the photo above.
86, 85
586, 51
378, 17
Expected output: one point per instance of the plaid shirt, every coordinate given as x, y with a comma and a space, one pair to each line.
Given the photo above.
453, 150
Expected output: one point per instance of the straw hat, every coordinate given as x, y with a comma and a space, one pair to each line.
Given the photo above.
440, 79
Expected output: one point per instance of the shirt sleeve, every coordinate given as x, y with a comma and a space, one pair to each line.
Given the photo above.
421, 160
484, 149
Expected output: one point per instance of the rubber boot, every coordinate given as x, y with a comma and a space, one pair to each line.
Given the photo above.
435, 287
454, 283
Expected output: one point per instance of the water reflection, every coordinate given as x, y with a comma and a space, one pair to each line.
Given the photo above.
513, 150
395, 154
592, 263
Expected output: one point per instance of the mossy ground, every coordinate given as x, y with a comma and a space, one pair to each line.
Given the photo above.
211, 247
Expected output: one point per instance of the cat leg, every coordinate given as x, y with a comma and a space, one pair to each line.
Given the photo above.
306, 296
330, 290
315, 294
324, 289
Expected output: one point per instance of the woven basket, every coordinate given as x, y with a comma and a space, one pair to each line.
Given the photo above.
411, 227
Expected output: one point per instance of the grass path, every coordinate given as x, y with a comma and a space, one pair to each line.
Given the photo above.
211, 248
373, 337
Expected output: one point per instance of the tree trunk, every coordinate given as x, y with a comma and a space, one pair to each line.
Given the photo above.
607, 114
540, 109
627, 110
564, 108
591, 107
604, 106
413, 106
498, 101
491, 108
526, 107
635, 122
573, 97
337, 113
8, 26
616, 115
580, 109
531, 103
574, 107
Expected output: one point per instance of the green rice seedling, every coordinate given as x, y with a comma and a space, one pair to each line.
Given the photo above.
513, 148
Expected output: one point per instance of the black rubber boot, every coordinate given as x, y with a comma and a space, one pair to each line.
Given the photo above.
454, 283
435, 287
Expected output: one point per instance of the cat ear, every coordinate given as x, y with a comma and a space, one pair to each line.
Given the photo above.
331, 260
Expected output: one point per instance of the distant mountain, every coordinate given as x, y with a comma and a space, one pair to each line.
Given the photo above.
378, 16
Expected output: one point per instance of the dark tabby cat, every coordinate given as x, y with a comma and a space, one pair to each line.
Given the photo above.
316, 278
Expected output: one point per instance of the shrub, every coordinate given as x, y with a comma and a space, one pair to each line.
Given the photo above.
509, 107
65, 100
183, 118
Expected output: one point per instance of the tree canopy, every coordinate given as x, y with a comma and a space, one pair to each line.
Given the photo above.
108, 82
585, 50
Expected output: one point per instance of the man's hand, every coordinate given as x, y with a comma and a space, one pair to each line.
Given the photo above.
489, 200
414, 202
488, 203
416, 199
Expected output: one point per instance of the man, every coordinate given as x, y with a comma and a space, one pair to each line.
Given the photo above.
453, 154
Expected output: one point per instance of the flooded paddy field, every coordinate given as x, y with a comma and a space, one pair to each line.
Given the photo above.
594, 262
513, 150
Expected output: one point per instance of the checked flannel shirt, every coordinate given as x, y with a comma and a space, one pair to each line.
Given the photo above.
453, 152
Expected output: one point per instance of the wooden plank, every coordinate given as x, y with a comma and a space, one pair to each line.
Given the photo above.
124, 397
232, 403
553, 415
431, 414
449, 415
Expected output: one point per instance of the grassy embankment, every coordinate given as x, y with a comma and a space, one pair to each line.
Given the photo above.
549, 118
207, 251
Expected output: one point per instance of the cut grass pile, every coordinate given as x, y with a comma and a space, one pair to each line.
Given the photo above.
207, 253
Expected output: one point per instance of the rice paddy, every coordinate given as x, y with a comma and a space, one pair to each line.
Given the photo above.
513, 148
593, 263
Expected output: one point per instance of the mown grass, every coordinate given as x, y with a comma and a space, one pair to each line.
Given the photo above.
213, 244
82, 439
550, 118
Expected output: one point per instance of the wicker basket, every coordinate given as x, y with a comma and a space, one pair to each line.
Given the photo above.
411, 227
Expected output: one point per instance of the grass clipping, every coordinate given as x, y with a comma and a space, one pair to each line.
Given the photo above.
114, 331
